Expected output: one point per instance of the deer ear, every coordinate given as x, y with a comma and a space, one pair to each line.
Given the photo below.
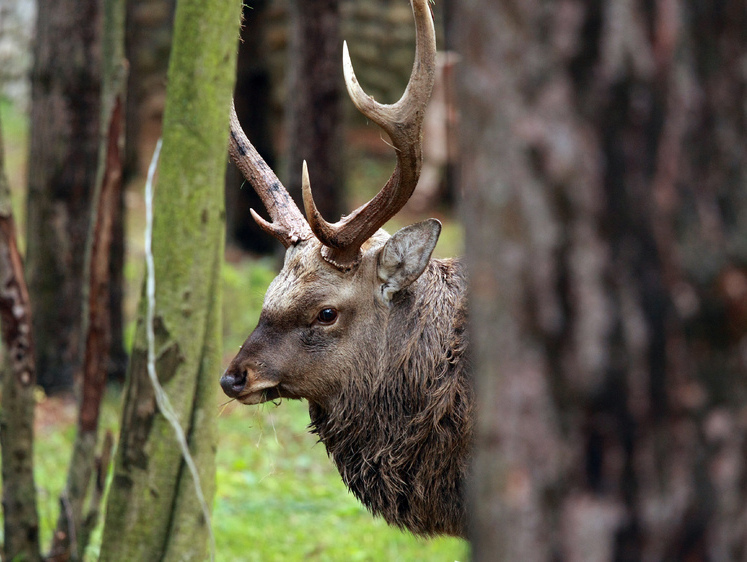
404, 256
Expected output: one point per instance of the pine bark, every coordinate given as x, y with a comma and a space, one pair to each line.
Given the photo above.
20, 518
152, 511
604, 151
65, 92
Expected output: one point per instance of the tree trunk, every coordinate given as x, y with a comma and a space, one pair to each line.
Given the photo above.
152, 510
252, 98
604, 158
65, 90
314, 114
73, 525
20, 519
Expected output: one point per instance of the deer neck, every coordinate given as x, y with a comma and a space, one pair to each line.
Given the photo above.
387, 428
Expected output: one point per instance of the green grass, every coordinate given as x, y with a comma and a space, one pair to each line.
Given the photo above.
280, 498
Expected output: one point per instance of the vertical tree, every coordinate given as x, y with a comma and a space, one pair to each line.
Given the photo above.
20, 519
604, 154
314, 114
153, 511
65, 89
74, 525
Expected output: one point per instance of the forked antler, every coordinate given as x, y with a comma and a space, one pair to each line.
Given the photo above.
402, 121
288, 224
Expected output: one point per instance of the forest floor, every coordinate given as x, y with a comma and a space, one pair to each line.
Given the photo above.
279, 498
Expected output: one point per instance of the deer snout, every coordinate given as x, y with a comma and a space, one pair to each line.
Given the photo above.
233, 382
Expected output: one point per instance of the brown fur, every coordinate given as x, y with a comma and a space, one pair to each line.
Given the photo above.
388, 386
400, 432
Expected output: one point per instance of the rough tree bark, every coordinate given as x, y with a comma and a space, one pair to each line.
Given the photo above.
313, 103
73, 525
20, 519
604, 150
152, 509
65, 91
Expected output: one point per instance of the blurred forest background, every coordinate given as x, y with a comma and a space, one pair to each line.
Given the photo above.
596, 152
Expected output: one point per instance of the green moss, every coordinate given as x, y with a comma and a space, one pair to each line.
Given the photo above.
157, 515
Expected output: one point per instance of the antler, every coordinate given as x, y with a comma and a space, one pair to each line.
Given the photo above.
402, 121
288, 224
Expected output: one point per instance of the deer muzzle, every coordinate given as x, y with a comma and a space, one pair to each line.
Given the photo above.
242, 384
233, 382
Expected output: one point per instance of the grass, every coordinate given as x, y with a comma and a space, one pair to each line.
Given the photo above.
15, 137
278, 495
280, 498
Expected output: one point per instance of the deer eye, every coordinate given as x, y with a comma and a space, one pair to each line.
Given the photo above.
327, 316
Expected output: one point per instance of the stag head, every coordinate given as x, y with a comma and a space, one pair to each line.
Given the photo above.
327, 308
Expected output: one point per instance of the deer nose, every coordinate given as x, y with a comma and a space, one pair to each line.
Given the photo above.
233, 382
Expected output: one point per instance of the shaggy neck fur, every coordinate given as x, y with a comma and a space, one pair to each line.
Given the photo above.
400, 436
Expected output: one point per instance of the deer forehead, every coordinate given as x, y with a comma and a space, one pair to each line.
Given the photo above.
307, 281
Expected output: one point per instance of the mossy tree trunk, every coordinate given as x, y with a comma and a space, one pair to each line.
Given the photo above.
20, 518
152, 511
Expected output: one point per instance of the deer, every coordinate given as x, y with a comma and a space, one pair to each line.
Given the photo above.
367, 327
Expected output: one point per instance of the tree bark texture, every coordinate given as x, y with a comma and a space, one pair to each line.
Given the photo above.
71, 535
604, 159
20, 518
65, 91
252, 99
152, 511
313, 103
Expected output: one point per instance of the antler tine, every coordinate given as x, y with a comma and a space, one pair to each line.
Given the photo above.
288, 224
402, 121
